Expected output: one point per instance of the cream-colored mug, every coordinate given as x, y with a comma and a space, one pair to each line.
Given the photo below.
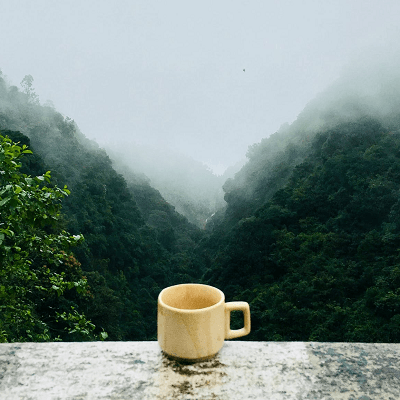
193, 321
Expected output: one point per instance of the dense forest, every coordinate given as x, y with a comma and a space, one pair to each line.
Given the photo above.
134, 243
319, 260
189, 185
309, 234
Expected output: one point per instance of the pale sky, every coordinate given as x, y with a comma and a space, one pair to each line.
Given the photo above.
171, 72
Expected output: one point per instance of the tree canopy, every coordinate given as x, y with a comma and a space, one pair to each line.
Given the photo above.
320, 259
41, 283
310, 235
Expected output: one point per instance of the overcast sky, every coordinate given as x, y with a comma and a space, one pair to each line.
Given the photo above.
171, 72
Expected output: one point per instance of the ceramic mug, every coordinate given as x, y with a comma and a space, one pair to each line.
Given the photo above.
193, 321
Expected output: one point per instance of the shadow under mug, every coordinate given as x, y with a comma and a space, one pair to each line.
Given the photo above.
193, 321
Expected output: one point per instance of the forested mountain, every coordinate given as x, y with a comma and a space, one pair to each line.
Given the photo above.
320, 259
189, 185
135, 243
309, 236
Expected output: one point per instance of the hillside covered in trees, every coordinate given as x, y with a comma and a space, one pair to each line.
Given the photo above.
190, 186
134, 244
320, 259
309, 236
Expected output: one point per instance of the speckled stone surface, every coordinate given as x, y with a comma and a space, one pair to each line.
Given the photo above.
241, 370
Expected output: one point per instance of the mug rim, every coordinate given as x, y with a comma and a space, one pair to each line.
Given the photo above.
197, 310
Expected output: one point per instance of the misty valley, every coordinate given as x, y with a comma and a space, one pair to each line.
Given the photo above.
307, 231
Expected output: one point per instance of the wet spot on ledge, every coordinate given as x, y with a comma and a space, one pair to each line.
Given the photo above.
190, 368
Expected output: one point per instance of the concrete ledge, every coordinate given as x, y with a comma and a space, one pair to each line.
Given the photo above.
242, 370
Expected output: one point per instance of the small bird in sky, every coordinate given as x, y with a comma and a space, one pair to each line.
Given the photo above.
244, 70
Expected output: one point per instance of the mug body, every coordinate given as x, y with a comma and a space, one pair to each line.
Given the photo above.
191, 321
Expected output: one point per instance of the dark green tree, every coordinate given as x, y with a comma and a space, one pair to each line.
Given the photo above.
40, 280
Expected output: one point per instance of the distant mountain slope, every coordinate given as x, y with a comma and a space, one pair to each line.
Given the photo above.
188, 185
135, 243
367, 88
320, 259
310, 236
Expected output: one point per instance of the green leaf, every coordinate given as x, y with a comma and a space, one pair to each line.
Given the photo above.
4, 201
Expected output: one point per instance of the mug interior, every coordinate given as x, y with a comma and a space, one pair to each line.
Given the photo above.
191, 296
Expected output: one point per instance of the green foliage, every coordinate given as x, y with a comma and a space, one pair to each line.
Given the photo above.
319, 260
36, 267
310, 236
124, 248
77, 326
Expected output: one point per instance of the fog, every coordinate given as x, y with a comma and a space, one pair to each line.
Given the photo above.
369, 85
205, 79
189, 185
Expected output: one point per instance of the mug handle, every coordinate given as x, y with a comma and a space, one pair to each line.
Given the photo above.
239, 306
